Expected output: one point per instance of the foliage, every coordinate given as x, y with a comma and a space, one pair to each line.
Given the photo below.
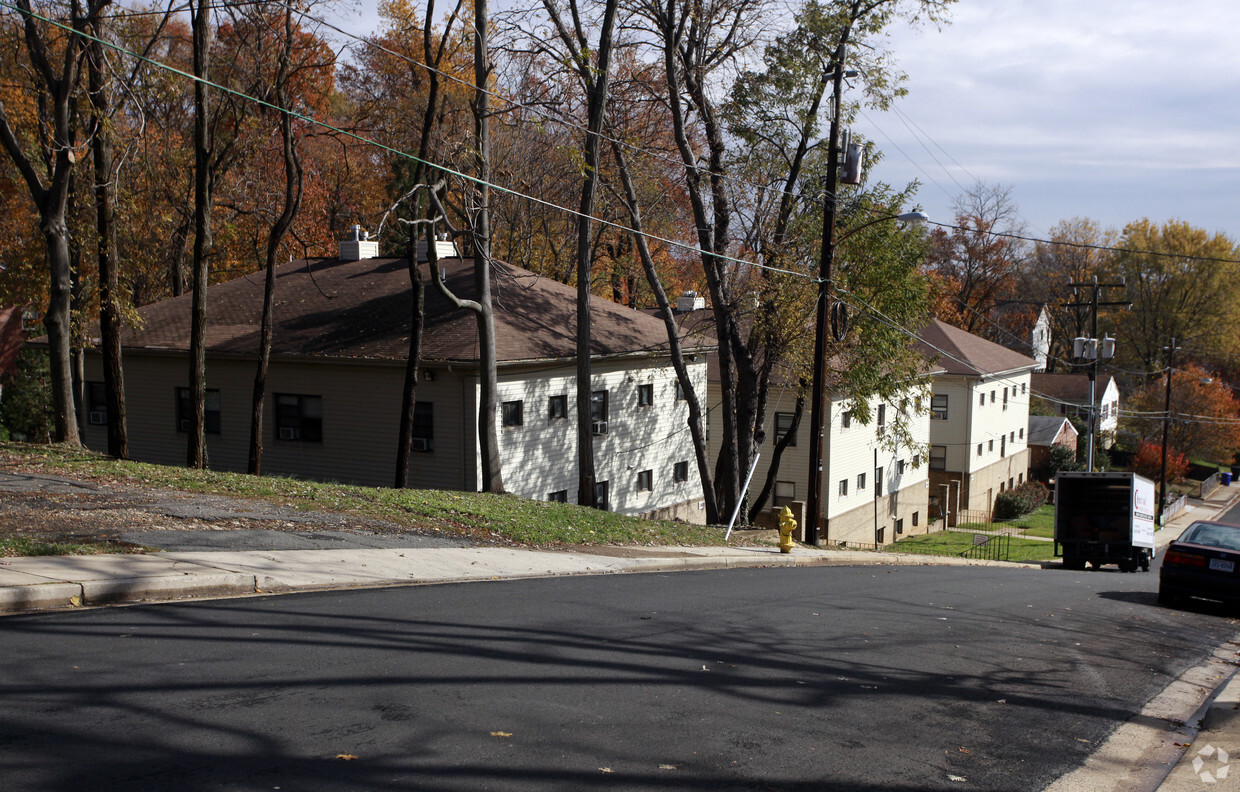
1176, 292
1148, 462
1020, 500
26, 404
1061, 458
1205, 414
12, 547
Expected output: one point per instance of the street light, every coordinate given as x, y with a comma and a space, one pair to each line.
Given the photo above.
826, 311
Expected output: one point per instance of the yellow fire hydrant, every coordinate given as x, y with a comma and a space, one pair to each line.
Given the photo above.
787, 524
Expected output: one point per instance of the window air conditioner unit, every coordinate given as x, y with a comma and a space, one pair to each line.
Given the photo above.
598, 427
420, 444
98, 417
289, 433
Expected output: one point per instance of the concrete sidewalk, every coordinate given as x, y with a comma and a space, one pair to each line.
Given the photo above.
51, 582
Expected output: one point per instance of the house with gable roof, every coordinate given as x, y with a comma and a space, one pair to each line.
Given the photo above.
336, 375
979, 415
1068, 395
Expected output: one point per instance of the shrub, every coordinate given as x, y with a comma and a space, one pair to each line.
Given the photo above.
1148, 462
1020, 501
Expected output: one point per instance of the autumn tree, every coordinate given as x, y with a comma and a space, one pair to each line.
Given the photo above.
975, 261
1204, 418
44, 152
1181, 286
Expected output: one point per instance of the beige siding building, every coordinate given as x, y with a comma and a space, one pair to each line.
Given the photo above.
979, 415
332, 408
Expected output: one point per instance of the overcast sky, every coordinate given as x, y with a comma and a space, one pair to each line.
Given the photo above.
1109, 109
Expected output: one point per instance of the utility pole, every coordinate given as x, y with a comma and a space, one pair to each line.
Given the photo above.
1092, 350
813, 503
1162, 471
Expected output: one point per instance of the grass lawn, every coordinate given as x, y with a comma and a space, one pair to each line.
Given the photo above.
26, 546
495, 519
953, 543
1040, 523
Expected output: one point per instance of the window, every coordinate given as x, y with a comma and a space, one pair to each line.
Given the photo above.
1012, 436
680, 391
979, 449
1022, 433
559, 496
1011, 483
1002, 445
843, 487
1005, 395
601, 490
1024, 387
785, 493
992, 397
882, 415
598, 412
916, 461
557, 407
299, 418
915, 515
938, 457
900, 467
645, 480
680, 471
878, 481
645, 395
1000, 487
899, 526
211, 420
990, 444
97, 403
1020, 479
783, 425
512, 413
846, 419
981, 402
423, 427
860, 482
938, 407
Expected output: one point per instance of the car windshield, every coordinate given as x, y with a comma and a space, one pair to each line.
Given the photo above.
1223, 536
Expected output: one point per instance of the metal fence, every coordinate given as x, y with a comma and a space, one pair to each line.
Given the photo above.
1178, 505
1210, 484
994, 548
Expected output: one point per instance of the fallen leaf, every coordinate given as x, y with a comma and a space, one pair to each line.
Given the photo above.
501, 734
956, 778
76, 600
1080, 739
346, 757
667, 767
964, 750
606, 770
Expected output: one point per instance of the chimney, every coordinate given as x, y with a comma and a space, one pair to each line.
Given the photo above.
358, 246
690, 301
444, 249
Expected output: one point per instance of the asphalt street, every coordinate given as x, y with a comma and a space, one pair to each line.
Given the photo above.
891, 678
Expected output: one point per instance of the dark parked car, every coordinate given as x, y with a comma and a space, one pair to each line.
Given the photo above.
1203, 562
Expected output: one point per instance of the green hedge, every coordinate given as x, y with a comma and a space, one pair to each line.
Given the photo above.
1020, 501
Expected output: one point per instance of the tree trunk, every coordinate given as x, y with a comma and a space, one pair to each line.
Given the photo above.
105, 223
410, 392
195, 456
292, 203
488, 402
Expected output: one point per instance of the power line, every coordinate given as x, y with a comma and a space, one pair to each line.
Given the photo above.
391, 150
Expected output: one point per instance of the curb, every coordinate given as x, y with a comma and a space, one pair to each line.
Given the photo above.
39, 596
100, 592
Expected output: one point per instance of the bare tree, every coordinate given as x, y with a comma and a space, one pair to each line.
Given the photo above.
292, 203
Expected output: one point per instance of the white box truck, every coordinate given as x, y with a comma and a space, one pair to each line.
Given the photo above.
1104, 518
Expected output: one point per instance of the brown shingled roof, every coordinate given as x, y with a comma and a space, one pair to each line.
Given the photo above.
361, 309
960, 352
1066, 387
